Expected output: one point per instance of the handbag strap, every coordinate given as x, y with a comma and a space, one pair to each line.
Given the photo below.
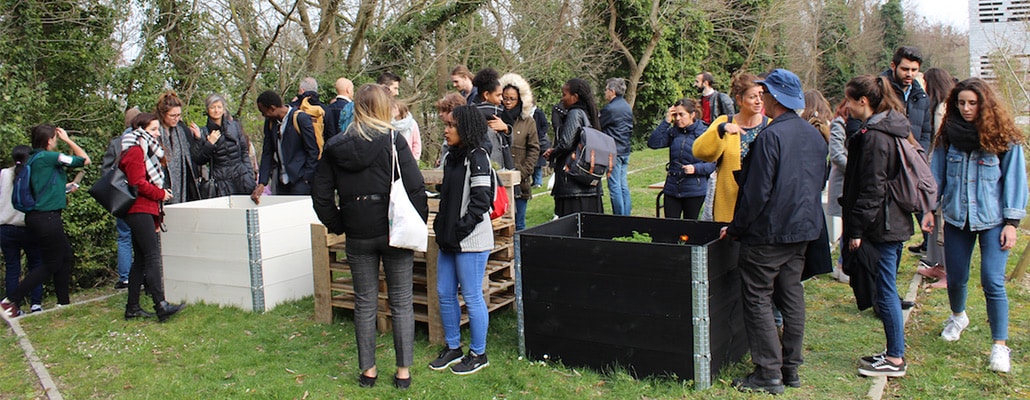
393, 153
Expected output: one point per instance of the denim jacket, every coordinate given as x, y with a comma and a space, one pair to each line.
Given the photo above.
980, 188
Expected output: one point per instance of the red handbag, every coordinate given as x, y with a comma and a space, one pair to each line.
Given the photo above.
500, 205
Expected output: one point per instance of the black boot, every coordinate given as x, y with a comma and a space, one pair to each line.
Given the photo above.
136, 312
165, 310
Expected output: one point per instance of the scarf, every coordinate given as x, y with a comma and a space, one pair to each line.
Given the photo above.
961, 134
510, 116
152, 154
212, 126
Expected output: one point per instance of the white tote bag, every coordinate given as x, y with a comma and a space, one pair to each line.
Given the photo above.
407, 229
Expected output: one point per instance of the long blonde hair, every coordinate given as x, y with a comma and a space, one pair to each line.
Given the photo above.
373, 111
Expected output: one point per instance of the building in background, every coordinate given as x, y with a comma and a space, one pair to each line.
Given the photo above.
999, 45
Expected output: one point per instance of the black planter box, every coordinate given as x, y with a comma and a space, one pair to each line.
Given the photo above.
657, 308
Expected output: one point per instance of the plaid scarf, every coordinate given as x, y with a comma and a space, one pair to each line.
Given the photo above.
153, 153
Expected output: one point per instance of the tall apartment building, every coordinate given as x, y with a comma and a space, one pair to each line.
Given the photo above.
999, 27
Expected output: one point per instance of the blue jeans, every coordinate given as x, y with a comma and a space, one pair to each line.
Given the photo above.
13, 240
466, 269
957, 256
618, 187
887, 302
538, 176
520, 213
124, 249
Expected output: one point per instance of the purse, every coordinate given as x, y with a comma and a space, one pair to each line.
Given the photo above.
206, 186
407, 229
113, 191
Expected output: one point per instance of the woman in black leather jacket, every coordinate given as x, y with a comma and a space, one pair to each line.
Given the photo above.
224, 151
576, 110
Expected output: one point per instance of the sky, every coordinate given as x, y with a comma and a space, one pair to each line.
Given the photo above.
952, 12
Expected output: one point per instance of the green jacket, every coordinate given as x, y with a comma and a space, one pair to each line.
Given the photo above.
49, 187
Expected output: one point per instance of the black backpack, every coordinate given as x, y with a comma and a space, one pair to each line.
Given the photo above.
592, 158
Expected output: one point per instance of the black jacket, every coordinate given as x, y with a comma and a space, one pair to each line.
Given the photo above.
917, 108
567, 124
357, 172
617, 121
229, 159
301, 151
872, 161
781, 183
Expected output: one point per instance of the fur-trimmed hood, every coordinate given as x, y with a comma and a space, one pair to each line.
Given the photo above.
525, 94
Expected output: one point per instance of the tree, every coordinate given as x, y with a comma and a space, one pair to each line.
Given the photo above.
893, 18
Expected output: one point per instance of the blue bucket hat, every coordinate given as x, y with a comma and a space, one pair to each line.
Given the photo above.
785, 87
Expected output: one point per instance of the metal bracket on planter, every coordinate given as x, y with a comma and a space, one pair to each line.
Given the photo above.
257, 287
518, 296
702, 318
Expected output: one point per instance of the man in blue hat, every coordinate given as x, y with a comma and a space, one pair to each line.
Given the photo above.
779, 210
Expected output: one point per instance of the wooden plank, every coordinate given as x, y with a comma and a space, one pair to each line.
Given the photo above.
321, 274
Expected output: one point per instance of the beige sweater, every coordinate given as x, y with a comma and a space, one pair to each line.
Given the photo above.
8, 215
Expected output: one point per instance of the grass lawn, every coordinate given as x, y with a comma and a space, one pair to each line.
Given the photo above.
209, 352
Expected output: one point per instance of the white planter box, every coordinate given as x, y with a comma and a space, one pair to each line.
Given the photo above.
230, 251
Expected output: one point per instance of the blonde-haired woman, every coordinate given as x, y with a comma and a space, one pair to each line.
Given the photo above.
355, 172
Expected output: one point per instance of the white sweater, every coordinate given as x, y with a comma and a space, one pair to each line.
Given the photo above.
8, 215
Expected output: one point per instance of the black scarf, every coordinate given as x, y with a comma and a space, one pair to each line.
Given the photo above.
212, 126
510, 116
961, 133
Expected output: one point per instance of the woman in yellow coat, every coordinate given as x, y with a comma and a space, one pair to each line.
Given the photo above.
726, 142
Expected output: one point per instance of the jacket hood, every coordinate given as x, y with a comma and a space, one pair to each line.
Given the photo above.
525, 94
352, 153
890, 122
311, 95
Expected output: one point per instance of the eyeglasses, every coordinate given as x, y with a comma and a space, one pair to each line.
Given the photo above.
509, 99
175, 115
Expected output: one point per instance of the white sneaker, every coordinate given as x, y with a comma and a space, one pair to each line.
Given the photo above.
1000, 358
953, 327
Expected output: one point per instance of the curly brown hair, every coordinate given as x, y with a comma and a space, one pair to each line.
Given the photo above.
994, 122
741, 83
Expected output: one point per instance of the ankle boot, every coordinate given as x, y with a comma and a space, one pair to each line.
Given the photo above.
166, 310
136, 312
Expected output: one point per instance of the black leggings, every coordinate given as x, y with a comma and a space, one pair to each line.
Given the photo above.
47, 229
146, 260
683, 207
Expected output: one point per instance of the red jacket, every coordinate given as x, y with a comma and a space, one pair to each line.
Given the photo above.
149, 196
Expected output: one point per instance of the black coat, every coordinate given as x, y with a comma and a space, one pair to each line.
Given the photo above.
872, 161
781, 182
567, 124
356, 172
301, 151
228, 159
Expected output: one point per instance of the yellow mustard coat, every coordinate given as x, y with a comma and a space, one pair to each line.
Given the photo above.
725, 152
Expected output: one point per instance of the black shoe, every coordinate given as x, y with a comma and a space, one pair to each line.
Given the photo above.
791, 377
447, 357
919, 249
136, 312
166, 310
366, 381
751, 383
121, 285
883, 367
402, 384
905, 304
470, 364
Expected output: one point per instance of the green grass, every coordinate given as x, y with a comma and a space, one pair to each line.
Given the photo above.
210, 352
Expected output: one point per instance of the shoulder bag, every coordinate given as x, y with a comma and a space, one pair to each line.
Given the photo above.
113, 191
407, 229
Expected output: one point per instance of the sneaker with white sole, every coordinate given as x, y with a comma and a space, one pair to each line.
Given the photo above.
953, 327
447, 357
471, 363
883, 367
1000, 358
869, 360
10, 309
36, 308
